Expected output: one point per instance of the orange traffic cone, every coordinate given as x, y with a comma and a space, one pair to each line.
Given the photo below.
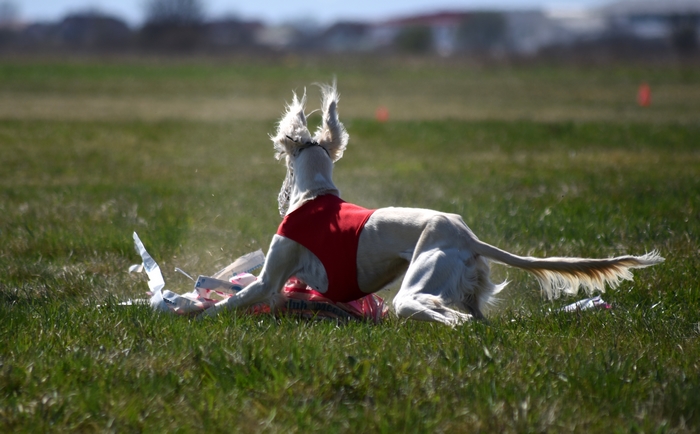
382, 114
644, 95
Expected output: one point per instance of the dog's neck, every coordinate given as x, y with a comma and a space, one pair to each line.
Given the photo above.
311, 175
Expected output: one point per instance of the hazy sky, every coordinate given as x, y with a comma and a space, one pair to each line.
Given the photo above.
276, 11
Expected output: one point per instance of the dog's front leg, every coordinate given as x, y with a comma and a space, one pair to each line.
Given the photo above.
281, 263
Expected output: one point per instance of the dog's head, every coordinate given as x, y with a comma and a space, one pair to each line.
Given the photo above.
293, 137
293, 134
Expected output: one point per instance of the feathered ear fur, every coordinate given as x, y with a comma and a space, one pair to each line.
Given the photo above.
292, 125
331, 134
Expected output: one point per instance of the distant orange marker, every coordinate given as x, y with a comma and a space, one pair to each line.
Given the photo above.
644, 95
382, 114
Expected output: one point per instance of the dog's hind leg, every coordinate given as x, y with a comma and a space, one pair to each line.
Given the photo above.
435, 275
423, 307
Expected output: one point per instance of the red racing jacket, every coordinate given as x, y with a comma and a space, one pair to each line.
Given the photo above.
330, 228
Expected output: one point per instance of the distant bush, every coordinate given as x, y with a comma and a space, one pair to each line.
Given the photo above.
685, 36
415, 39
173, 25
482, 32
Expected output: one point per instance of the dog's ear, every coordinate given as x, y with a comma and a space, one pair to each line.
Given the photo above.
331, 134
292, 130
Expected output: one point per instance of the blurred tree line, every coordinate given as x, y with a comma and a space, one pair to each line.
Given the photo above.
169, 26
173, 24
181, 26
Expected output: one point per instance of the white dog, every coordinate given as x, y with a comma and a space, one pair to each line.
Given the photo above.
444, 263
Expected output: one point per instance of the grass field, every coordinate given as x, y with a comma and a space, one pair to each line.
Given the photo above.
539, 160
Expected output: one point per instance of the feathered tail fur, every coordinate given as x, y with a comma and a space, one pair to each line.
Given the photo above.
567, 275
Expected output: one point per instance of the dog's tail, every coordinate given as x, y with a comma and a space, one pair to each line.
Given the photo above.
557, 275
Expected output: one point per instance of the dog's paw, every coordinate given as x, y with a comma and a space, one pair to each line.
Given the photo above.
459, 318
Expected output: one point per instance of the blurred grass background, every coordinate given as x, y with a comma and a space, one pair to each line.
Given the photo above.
411, 89
538, 159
